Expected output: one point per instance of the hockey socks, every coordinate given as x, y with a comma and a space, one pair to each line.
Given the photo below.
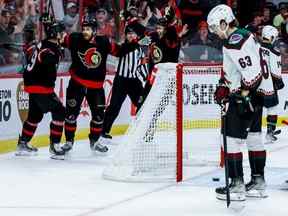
28, 131
271, 122
70, 128
257, 161
235, 168
95, 130
56, 129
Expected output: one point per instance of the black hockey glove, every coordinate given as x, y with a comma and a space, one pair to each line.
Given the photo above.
245, 108
221, 93
278, 83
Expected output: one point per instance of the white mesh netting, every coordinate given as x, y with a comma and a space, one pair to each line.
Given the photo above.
147, 152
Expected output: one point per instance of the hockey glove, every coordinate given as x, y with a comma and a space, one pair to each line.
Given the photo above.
222, 92
278, 83
244, 106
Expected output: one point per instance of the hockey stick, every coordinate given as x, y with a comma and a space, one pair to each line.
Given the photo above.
224, 130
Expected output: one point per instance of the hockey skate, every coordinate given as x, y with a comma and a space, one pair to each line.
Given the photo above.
271, 136
96, 146
256, 187
106, 139
237, 190
67, 146
56, 151
25, 149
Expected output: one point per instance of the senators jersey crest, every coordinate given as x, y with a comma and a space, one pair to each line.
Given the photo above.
157, 54
91, 58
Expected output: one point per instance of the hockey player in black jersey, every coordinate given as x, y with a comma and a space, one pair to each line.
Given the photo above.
88, 70
39, 80
165, 47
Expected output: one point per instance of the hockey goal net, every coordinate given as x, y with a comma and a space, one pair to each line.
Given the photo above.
176, 129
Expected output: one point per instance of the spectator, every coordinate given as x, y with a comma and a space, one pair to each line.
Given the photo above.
256, 25
279, 19
267, 16
71, 19
284, 29
201, 37
4, 37
131, 17
25, 14
207, 45
150, 17
4, 22
104, 25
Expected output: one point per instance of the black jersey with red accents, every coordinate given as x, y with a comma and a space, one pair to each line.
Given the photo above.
41, 70
88, 66
165, 49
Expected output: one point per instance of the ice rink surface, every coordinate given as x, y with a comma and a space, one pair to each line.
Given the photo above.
39, 186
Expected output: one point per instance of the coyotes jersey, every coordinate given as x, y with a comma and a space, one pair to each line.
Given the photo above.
40, 73
268, 61
241, 61
273, 58
88, 66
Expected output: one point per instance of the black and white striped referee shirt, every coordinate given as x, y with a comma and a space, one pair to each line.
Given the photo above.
131, 65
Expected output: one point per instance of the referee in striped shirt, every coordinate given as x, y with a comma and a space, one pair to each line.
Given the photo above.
131, 74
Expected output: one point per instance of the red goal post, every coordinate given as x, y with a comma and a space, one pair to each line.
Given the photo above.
168, 136
181, 69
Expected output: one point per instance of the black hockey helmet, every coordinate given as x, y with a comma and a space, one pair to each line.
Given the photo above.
53, 29
90, 21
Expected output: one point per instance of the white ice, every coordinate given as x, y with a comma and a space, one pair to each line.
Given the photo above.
39, 186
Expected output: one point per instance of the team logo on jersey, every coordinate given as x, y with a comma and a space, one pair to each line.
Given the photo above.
157, 54
72, 103
235, 38
91, 58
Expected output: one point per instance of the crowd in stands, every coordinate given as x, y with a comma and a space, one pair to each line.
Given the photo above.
19, 25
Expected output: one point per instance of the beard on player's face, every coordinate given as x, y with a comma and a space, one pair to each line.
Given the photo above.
87, 32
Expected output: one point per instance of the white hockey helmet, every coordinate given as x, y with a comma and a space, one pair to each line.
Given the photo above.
217, 14
270, 32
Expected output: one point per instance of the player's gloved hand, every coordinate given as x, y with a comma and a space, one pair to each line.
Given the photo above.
243, 102
278, 83
146, 41
221, 93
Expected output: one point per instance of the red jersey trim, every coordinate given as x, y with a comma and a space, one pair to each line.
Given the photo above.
86, 83
39, 89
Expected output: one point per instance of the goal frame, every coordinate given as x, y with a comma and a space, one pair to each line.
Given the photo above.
179, 115
121, 169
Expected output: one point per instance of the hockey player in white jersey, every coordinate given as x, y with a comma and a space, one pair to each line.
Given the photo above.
242, 77
271, 66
